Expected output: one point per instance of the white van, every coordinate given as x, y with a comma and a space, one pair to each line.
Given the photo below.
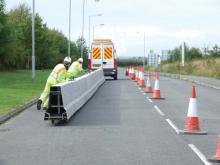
103, 55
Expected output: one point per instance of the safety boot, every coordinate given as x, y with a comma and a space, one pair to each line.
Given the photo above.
39, 102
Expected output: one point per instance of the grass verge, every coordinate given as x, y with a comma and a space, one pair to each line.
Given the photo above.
17, 87
209, 67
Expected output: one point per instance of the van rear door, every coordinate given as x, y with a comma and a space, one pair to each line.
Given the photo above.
96, 58
108, 56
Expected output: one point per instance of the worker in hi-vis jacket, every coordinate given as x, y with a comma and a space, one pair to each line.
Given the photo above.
75, 69
58, 75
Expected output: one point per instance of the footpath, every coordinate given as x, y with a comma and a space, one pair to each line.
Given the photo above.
205, 81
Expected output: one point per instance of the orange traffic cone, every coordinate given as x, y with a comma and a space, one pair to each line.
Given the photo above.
141, 82
216, 157
156, 91
126, 72
148, 88
136, 75
129, 71
192, 121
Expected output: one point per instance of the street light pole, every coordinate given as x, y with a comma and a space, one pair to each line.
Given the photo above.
144, 53
69, 27
90, 25
94, 29
82, 29
33, 41
144, 50
83, 26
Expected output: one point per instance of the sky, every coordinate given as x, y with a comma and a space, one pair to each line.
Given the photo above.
165, 23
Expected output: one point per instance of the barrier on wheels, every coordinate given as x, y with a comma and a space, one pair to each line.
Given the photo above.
67, 98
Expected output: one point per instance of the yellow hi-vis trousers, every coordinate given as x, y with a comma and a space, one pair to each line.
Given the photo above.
45, 94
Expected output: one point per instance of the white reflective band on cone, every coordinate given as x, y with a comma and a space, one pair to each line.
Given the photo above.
148, 82
192, 110
156, 85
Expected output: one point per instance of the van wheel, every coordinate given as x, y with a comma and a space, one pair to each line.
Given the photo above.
115, 77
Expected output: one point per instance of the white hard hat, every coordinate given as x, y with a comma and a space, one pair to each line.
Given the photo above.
67, 60
80, 60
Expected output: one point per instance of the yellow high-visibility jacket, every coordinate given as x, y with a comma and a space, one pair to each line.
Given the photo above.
74, 70
58, 75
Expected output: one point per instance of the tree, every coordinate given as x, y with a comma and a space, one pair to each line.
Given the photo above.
79, 43
5, 31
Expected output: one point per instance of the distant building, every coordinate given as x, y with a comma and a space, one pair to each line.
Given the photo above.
153, 59
165, 54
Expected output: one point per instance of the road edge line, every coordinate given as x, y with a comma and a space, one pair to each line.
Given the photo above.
16, 111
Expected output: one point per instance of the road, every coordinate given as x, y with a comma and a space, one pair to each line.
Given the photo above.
120, 125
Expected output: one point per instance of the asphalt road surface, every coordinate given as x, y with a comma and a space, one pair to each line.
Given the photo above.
120, 125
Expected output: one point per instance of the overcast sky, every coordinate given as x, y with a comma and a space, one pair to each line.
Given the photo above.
166, 23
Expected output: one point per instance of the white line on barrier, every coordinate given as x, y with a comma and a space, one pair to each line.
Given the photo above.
199, 154
172, 125
158, 110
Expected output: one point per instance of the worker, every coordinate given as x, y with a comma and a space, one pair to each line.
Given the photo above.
75, 69
58, 75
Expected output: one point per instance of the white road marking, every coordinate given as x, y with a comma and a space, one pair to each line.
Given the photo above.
144, 94
158, 110
172, 125
150, 100
199, 154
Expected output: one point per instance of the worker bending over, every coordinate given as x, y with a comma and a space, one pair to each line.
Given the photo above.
75, 69
58, 75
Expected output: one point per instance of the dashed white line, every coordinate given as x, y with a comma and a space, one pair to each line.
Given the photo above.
158, 110
144, 94
199, 154
172, 125
150, 100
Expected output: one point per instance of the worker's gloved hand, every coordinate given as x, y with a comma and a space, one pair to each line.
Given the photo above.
39, 102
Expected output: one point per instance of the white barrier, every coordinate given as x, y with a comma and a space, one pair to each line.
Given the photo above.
72, 95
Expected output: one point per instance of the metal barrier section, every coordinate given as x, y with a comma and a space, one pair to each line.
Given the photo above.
68, 97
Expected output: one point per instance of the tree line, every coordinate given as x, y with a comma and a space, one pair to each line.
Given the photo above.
51, 45
193, 53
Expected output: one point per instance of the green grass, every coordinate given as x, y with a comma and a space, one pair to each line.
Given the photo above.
17, 87
209, 67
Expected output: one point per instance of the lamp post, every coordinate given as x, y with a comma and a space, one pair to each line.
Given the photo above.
90, 17
83, 26
144, 49
33, 41
94, 29
69, 27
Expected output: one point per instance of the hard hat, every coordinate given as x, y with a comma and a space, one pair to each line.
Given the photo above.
67, 60
80, 60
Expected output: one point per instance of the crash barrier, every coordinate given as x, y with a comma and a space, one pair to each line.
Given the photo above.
67, 98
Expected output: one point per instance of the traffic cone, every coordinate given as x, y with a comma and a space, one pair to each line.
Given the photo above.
141, 82
126, 72
216, 157
148, 88
136, 76
129, 71
192, 121
156, 91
